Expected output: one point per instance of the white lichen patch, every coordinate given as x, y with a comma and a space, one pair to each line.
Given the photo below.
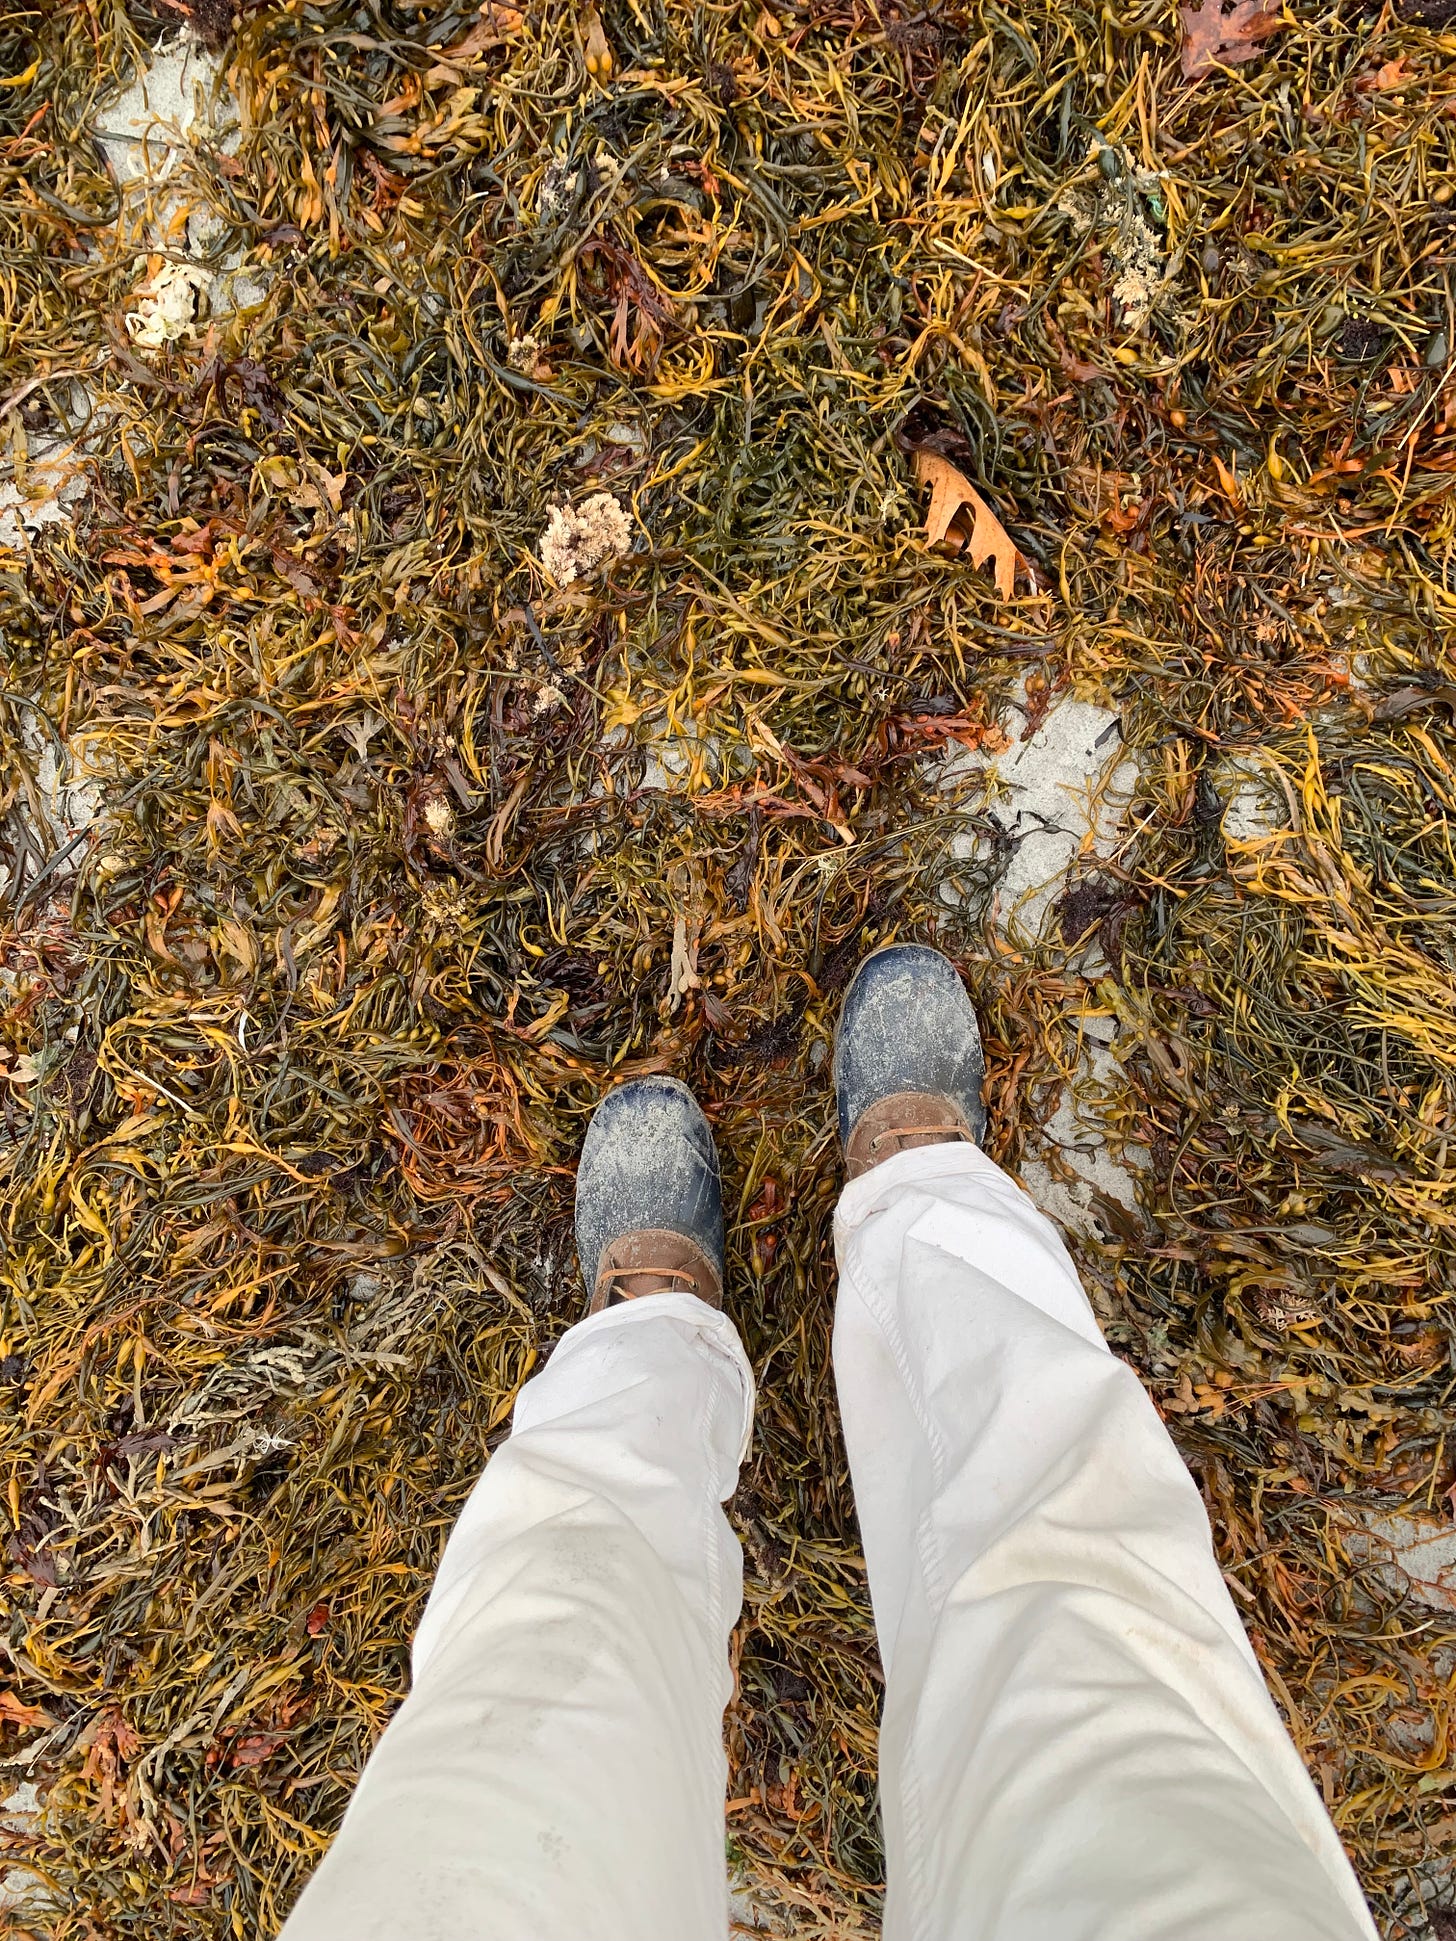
20, 515
680, 760
20, 1817
1060, 794
148, 134
580, 538
70, 793
170, 104
167, 304
45, 494
1415, 1555
58, 799
1074, 1163
1255, 803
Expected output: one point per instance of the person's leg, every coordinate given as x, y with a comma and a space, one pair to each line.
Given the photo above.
1077, 1743
557, 1772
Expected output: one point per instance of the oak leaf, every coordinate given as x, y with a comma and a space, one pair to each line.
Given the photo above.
14, 1711
959, 516
1222, 33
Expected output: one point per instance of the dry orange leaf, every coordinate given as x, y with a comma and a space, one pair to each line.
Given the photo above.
952, 497
14, 1711
1221, 33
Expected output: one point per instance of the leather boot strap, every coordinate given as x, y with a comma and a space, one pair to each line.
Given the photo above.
899, 1122
654, 1261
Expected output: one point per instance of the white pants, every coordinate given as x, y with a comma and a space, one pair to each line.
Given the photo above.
1076, 1743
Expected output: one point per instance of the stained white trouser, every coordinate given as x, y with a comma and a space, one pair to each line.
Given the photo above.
1076, 1743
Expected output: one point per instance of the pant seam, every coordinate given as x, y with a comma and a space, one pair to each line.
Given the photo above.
880, 1309
712, 1509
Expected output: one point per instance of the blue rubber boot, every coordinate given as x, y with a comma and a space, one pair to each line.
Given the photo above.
908, 1067
649, 1204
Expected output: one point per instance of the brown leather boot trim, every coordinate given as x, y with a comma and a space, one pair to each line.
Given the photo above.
897, 1123
654, 1260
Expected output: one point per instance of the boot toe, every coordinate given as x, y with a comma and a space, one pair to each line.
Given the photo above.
907, 1027
648, 1163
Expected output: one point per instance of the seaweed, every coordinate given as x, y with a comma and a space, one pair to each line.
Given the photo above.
403, 846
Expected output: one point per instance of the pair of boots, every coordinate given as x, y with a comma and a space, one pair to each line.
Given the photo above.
1076, 1743
908, 1071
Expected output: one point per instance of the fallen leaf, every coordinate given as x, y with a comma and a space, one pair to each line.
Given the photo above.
1221, 33
1392, 75
952, 496
26, 1718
